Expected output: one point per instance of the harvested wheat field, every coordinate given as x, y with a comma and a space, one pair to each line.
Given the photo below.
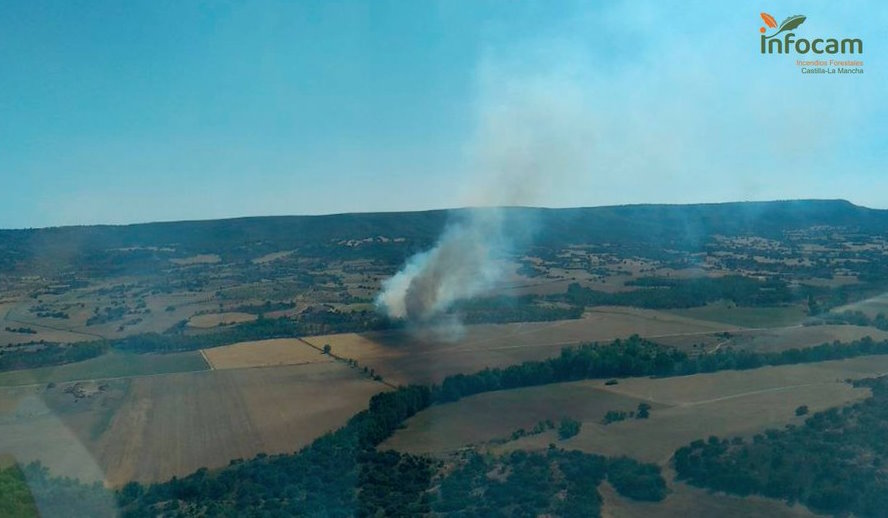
686, 500
401, 356
153, 427
210, 320
34, 426
495, 415
684, 408
726, 403
173, 425
264, 353
775, 340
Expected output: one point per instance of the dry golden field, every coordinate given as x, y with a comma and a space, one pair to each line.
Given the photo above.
53, 427
871, 307
685, 408
774, 339
197, 259
690, 501
493, 415
210, 320
264, 353
404, 357
780, 339
273, 256
153, 427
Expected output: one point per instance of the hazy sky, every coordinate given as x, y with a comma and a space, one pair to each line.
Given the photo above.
116, 112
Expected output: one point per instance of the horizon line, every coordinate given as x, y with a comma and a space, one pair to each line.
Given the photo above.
440, 209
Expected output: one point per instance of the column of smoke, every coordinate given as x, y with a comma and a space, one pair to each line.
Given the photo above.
464, 263
534, 134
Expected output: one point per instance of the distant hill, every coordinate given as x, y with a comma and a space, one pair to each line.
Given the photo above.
684, 227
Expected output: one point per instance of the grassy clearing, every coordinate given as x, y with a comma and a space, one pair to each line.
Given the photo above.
745, 316
111, 365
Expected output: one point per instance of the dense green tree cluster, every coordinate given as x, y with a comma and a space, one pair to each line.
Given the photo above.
46, 354
555, 483
857, 318
568, 428
313, 323
631, 357
662, 293
526, 308
394, 484
636, 480
266, 307
522, 484
22, 330
834, 463
15, 497
614, 416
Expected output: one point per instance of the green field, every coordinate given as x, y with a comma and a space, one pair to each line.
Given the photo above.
779, 316
111, 365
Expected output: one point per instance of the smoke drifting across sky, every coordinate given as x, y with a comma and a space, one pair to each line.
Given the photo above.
533, 134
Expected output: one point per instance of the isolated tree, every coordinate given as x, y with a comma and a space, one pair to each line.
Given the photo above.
644, 411
327, 348
568, 428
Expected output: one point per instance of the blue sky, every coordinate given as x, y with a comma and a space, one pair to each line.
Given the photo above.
118, 112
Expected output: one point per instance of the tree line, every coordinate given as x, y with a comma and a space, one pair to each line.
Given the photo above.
43, 354
669, 293
636, 356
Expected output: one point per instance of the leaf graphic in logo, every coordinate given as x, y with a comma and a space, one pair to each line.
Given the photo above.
791, 23
769, 20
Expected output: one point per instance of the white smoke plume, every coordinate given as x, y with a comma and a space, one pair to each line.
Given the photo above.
463, 264
533, 135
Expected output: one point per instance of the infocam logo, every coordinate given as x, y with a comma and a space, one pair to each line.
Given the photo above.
771, 44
